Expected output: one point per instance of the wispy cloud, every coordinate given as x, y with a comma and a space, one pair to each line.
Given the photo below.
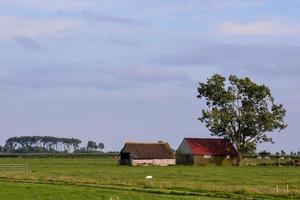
260, 60
123, 42
99, 18
12, 26
28, 43
87, 77
47, 5
267, 27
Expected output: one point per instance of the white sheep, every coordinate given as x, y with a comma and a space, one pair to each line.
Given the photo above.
149, 177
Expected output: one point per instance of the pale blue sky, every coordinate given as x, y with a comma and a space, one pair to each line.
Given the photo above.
116, 71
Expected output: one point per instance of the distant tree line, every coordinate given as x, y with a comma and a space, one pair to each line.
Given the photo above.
47, 144
292, 153
91, 147
40, 144
281, 153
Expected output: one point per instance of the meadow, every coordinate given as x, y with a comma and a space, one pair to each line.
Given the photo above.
103, 178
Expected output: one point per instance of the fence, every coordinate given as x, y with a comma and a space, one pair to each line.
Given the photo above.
14, 167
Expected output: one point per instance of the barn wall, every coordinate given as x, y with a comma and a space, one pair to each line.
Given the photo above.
184, 159
184, 154
204, 160
158, 162
125, 159
214, 160
184, 148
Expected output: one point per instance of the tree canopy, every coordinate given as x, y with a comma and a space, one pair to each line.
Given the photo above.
101, 146
48, 144
91, 145
240, 111
39, 144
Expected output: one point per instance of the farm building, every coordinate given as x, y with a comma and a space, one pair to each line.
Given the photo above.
205, 151
147, 154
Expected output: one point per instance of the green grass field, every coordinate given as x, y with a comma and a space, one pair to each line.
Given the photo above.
102, 178
14, 191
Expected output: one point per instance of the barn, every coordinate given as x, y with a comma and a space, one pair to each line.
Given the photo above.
159, 154
206, 151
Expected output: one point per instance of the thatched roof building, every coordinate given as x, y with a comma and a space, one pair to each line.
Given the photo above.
147, 154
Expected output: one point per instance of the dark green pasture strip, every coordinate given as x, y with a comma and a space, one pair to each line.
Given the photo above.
30, 191
40, 191
209, 194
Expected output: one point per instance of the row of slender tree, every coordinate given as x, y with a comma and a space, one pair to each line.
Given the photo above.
281, 153
47, 144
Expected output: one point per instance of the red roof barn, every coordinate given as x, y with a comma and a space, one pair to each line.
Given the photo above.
202, 151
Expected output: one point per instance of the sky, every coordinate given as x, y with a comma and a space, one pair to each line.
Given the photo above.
127, 70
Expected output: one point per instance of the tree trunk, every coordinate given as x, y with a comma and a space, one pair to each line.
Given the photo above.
239, 158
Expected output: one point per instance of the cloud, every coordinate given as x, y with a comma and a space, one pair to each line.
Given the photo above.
269, 27
261, 60
12, 27
28, 43
166, 5
152, 75
87, 77
46, 5
98, 18
123, 42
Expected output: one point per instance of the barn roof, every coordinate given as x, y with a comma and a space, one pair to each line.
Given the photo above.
148, 150
210, 146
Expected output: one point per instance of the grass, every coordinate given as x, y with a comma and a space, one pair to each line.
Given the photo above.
21, 191
104, 174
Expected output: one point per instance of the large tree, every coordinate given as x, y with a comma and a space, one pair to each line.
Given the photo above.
240, 111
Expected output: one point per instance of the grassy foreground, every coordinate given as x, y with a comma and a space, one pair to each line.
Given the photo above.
91, 176
21, 191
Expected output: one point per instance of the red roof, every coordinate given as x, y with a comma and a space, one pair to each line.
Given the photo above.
210, 146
